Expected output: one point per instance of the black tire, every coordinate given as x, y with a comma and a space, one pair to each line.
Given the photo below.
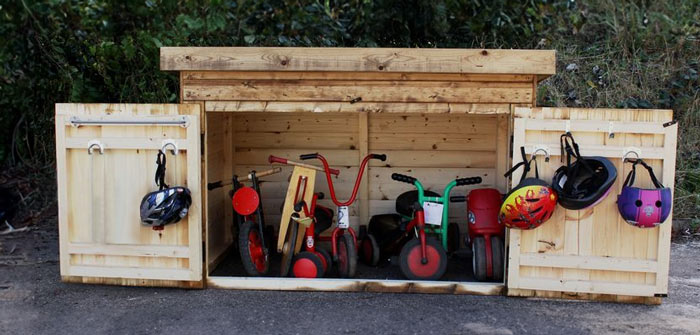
453, 237
347, 256
414, 246
327, 257
497, 257
288, 248
479, 258
369, 249
308, 258
270, 240
254, 263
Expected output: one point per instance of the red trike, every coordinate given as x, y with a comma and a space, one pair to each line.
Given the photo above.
343, 246
314, 262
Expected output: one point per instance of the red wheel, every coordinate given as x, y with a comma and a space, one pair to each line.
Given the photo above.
307, 265
326, 259
412, 265
347, 256
255, 262
370, 250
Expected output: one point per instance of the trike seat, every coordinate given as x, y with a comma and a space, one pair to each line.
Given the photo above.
324, 219
405, 201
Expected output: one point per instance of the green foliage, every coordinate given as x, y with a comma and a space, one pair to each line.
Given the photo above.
631, 54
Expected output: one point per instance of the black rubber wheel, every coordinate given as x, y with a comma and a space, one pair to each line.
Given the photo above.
453, 237
270, 240
497, 257
307, 265
369, 250
362, 233
288, 248
253, 257
327, 258
479, 258
347, 256
410, 260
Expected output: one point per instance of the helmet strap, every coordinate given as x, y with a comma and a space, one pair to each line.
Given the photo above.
160, 171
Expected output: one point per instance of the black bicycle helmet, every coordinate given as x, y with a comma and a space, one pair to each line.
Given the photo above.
585, 182
167, 205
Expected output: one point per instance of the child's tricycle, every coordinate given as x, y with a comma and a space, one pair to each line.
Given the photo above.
423, 257
315, 262
253, 236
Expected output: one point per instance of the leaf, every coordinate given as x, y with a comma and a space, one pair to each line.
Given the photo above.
249, 39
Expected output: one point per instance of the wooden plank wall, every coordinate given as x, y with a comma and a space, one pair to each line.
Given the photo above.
436, 127
101, 237
594, 251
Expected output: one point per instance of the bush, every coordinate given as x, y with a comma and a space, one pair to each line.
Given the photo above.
638, 54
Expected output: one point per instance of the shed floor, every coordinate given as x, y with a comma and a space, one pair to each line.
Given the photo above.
459, 268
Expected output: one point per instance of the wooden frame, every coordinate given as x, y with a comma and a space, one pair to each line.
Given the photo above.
582, 253
101, 238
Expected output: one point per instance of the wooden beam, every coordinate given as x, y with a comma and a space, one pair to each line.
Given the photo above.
588, 262
366, 91
358, 107
537, 62
189, 76
355, 285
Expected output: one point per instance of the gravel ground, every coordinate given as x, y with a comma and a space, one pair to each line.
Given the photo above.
34, 301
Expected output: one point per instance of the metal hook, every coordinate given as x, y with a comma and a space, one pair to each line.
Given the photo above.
631, 150
170, 143
95, 143
542, 148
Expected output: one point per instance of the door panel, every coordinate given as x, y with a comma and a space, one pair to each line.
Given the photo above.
593, 251
100, 190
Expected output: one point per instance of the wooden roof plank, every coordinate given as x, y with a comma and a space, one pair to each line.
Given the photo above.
481, 61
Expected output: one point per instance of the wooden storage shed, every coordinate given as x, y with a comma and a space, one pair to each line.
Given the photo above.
438, 114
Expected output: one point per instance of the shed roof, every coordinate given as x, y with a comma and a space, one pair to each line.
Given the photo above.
480, 61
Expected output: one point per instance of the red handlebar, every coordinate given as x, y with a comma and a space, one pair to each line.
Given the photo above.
328, 171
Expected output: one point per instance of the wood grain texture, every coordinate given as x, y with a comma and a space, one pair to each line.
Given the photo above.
366, 91
594, 251
487, 61
357, 107
100, 233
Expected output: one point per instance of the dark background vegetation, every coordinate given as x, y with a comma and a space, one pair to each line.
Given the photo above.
633, 54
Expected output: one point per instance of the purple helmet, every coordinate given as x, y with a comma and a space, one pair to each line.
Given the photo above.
644, 208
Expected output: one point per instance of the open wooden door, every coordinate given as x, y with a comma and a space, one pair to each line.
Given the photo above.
106, 161
593, 253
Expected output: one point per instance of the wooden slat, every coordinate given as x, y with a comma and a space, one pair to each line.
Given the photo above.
357, 107
540, 62
134, 273
436, 159
596, 126
311, 140
355, 285
337, 158
435, 141
585, 286
148, 143
189, 76
296, 123
588, 262
368, 91
432, 124
130, 250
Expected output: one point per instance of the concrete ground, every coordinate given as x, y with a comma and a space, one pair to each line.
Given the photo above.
34, 301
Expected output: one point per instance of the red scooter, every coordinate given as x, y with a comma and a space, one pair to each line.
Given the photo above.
486, 234
343, 246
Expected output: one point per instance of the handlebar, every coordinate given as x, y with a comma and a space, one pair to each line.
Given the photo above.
275, 159
328, 171
458, 198
221, 183
403, 178
468, 181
